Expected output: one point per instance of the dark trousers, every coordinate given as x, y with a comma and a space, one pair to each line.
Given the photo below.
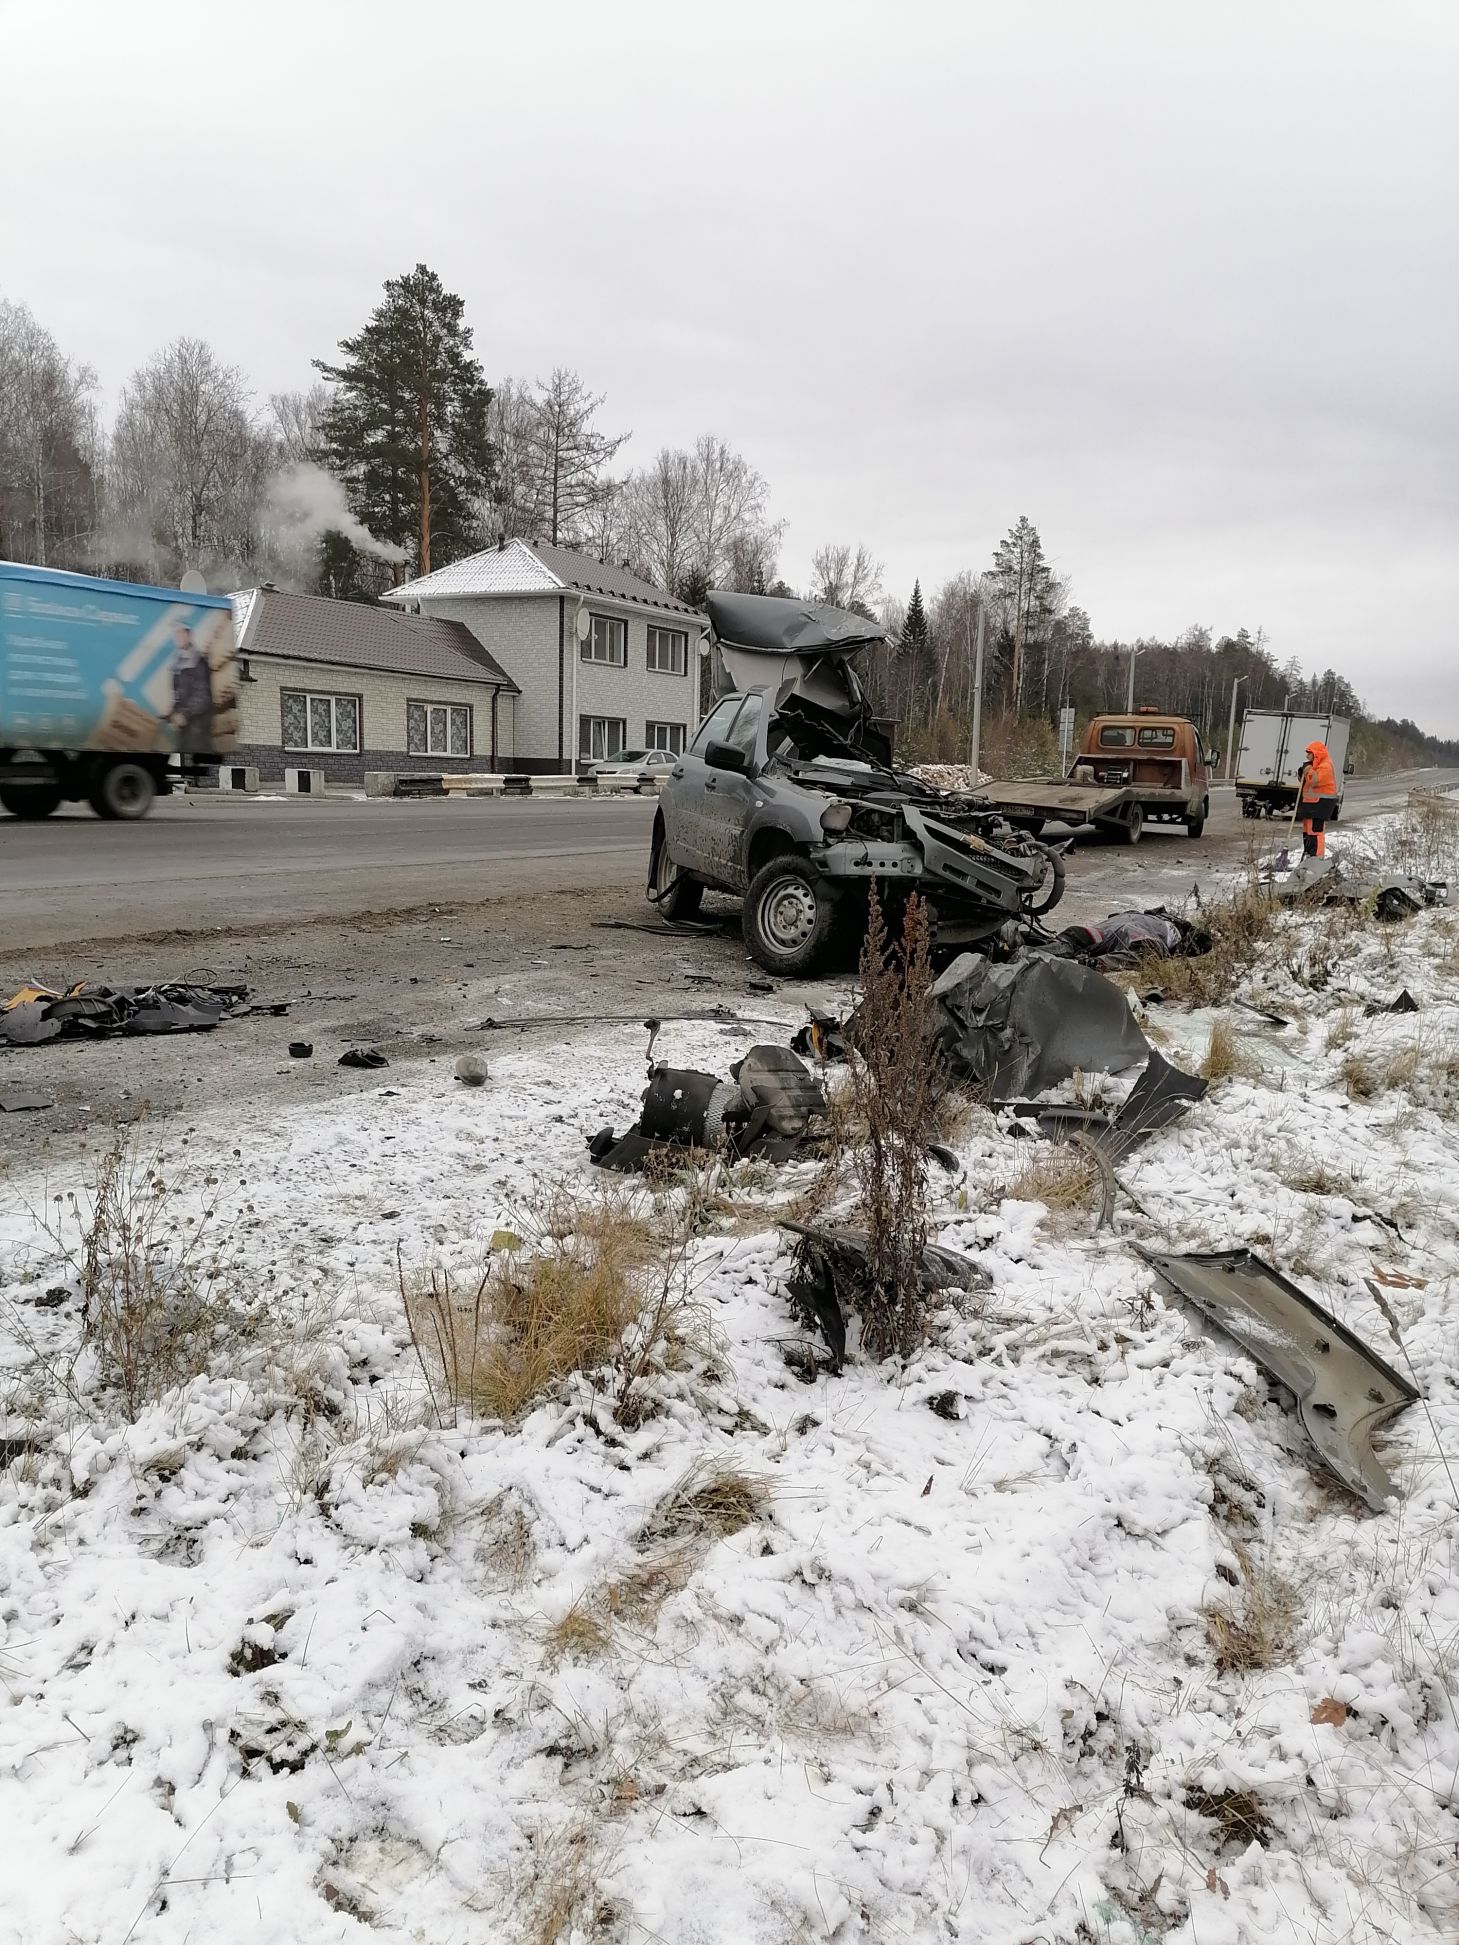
1316, 816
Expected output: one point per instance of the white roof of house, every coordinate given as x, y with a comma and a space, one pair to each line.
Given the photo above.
513, 569
537, 568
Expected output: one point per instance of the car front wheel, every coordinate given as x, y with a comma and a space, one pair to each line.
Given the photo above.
789, 916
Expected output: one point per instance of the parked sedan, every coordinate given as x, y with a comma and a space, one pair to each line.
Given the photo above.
636, 763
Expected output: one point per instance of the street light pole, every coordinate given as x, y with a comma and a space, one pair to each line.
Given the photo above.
1130, 686
976, 750
1236, 682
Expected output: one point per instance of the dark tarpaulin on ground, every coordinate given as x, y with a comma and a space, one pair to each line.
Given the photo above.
1019, 1028
35, 1014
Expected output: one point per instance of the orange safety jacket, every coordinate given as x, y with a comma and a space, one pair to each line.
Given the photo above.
1319, 778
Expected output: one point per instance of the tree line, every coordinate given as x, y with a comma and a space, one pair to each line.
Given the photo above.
401, 457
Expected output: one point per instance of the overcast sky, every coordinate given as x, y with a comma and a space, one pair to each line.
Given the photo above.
1178, 282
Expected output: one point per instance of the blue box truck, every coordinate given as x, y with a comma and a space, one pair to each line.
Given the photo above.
109, 693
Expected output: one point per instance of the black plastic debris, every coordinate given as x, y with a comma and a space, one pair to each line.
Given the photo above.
301, 1049
1020, 1028
830, 1266
766, 1108
36, 1014
1344, 1391
1404, 1003
363, 1057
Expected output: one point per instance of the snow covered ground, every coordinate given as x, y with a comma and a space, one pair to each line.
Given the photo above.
1057, 1634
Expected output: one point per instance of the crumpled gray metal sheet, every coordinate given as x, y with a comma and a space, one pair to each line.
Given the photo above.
1344, 1391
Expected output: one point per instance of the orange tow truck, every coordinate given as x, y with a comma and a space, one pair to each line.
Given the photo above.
1130, 771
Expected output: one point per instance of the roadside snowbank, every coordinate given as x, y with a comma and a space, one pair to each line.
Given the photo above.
282, 1662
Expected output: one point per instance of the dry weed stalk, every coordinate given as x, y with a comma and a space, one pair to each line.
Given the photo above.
1240, 927
896, 1086
152, 1305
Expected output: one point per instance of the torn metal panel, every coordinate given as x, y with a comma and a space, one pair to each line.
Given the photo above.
1161, 1095
1344, 1391
1025, 1026
830, 1264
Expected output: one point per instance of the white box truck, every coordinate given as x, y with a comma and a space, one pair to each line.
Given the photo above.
1273, 750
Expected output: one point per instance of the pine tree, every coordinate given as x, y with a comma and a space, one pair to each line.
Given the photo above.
914, 623
406, 428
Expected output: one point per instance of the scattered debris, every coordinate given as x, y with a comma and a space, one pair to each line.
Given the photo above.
830, 1269
301, 1049
1020, 1028
1344, 1391
1127, 939
37, 1013
363, 1057
1161, 1095
765, 1108
525, 1022
1404, 1003
18, 1103
471, 1070
1393, 895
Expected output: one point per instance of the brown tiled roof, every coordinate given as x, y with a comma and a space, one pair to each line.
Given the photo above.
350, 634
601, 577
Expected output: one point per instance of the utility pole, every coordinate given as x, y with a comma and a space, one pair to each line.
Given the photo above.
977, 699
1130, 685
1236, 682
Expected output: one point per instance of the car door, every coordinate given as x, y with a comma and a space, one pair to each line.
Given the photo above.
682, 800
728, 796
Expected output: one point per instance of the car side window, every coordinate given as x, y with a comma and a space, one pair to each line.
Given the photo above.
747, 725
715, 726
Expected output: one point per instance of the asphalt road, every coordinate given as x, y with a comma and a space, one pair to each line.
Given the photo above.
239, 865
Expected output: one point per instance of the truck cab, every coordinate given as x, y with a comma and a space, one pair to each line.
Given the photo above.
1160, 761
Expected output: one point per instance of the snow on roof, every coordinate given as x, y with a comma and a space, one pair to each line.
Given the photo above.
522, 567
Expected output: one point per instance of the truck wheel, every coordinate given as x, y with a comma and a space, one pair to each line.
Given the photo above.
1130, 828
1195, 825
789, 916
122, 790
674, 894
30, 800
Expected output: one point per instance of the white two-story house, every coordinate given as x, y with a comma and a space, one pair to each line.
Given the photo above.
601, 660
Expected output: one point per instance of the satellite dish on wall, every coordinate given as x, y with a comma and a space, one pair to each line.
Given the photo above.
584, 622
193, 583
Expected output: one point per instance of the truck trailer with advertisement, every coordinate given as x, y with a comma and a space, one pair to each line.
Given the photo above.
1272, 751
109, 693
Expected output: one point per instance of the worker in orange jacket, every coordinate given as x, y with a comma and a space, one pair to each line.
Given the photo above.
1319, 799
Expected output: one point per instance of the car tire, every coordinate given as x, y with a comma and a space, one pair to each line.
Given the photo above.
1195, 825
122, 790
31, 801
676, 894
789, 916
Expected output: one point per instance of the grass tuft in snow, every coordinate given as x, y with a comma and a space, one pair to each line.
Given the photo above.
1238, 1815
590, 1287
1258, 1630
710, 1501
1226, 1057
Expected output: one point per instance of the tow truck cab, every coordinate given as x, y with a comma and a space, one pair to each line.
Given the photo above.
1160, 759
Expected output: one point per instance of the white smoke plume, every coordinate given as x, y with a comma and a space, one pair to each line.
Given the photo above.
304, 503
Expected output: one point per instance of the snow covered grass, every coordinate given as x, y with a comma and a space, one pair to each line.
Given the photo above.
1051, 1631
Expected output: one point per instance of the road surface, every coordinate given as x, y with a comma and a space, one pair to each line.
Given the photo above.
241, 865
403, 925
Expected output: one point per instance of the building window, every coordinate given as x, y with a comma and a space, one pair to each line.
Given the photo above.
600, 737
664, 736
668, 651
437, 729
320, 722
608, 642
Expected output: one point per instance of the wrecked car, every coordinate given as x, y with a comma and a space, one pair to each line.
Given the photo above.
790, 797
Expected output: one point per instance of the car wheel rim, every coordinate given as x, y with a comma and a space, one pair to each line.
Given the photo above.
667, 871
787, 914
126, 789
